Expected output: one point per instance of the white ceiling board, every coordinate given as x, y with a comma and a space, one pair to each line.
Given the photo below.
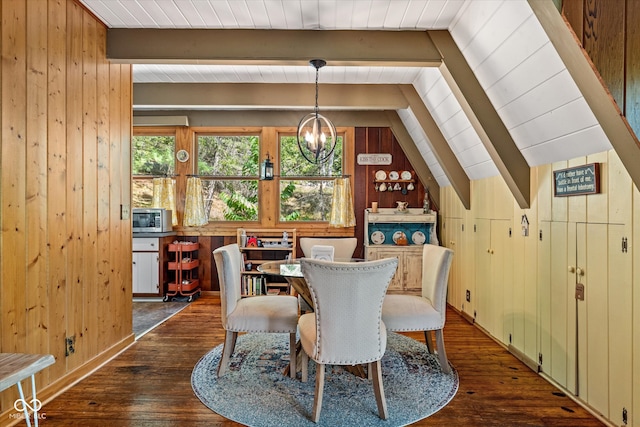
466, 140
424, 146
461, 136
542, 65
551, 94
583, 143
520, 45
455, 125
448, 108
567, 119
481, 170
278, 14
473, 20
500, 26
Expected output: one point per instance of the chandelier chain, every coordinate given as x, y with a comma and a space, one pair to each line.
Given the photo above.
316, 109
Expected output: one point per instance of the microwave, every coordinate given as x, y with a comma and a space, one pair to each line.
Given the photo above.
151, 220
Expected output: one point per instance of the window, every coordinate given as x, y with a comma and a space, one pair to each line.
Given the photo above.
152, 156
306, 189
228, 166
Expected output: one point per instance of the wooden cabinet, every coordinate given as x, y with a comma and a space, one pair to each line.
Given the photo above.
259, 245
183, 267
408, 277
384, 229
149, 272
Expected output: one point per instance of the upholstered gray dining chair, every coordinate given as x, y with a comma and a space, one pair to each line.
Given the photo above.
346, 327
409, 313
260, 314
343, 246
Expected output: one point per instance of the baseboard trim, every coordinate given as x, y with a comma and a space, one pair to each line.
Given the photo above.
531, 364
466, 316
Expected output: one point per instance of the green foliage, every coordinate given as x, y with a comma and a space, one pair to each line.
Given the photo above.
232, 162
292, 163
239, 208
153, 155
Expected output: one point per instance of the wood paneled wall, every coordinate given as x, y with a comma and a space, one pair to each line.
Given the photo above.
609, 32
65, 254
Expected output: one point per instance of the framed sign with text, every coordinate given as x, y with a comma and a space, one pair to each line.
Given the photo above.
578, 180
374, 159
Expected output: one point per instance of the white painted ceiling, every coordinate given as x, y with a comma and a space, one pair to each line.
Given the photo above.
504, 44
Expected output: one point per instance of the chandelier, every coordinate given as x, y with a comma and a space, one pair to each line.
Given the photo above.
316, 133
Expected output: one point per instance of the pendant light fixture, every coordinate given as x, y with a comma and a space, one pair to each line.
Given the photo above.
316, 133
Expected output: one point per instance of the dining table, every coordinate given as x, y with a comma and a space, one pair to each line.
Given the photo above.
291, 270
292, 273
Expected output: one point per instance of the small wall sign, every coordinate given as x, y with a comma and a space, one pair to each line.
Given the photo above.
374, 159
578, 180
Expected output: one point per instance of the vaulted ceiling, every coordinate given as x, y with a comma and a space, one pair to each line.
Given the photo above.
475, 88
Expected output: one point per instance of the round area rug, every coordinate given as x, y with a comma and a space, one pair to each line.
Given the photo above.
255, 392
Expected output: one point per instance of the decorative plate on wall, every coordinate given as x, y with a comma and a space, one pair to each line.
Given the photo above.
381, 175
397, 235
405, 175
394, 175
377, 237
418, 238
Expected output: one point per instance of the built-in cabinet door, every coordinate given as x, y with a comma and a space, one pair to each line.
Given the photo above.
620, 296
452, 239
604, 319
146, 273
493, 276
484, 305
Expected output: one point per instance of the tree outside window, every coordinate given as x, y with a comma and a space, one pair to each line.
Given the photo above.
306, 188
228, 166
152, 156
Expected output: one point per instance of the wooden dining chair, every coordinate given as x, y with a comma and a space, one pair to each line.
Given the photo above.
343, 246
258, 314
410, 313
346, 327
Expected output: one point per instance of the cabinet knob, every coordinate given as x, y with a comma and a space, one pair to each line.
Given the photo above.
571, 269
579, 271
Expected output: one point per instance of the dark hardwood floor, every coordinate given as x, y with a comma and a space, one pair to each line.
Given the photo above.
149, 384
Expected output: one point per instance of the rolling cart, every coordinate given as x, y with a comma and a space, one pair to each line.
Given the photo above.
184, 269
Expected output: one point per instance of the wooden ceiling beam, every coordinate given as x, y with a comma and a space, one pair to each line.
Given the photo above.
441, 149
484, 118
271, 47
283, 96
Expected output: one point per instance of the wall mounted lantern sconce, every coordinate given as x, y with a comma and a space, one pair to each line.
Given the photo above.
266, 169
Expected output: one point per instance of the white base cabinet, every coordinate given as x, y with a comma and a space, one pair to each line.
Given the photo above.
146, 267
150, 277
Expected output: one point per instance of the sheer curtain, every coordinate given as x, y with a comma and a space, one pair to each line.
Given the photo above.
342, 204
194, 214
164, 196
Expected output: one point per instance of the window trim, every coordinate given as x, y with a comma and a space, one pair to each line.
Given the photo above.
268, 209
